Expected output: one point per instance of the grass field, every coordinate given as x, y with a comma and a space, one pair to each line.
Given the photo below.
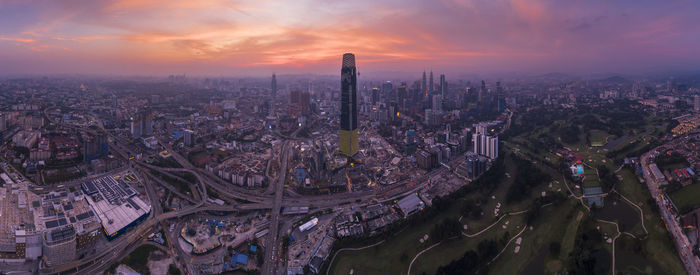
441, 255
687, 198
534, 255
395, 255
598, 138
658, 246
567, 243
651, 253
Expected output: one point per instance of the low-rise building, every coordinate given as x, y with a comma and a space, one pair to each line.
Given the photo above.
410, 204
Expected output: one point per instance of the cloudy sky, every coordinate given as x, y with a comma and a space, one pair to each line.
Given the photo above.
258, 37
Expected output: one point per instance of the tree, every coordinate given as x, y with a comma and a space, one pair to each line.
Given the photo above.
554, 248
173, 270
448, 228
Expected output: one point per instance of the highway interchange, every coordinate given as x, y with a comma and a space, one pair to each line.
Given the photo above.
238, 200
274, 200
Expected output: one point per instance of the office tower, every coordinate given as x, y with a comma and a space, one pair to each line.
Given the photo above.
475, 166
305, 103
500, 103
375, 96
348, 106
430, 84
273, 86
273, 93
437, 103
3, 123
696, 104
424, 85
443, 86
295, 97
500, 98
402, 95
482, 92
188, 137
386, 90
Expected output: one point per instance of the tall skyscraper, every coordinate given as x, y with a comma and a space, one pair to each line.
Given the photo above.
482, 92
3, 123
443, 86
348, 106
136, 126
94, 146
147, 122
424, 85
696, 104
500, 98
491, 147
295, 97
273, 86
305, 103
273, 91
430, 84
484, 144
375, 96
402, 95
387, 87
437, 103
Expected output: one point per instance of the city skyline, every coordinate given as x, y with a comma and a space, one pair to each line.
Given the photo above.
259, 38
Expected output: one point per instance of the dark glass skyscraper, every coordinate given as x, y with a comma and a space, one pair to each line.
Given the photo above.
274, 85
424, 85
431, 83
348, 106
443, 87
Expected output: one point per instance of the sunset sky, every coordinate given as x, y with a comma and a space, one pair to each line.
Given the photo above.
258, 37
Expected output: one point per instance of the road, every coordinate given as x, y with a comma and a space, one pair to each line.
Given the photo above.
258, 201
690, 261
271, 247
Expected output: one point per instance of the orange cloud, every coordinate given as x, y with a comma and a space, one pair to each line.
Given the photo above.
15, 39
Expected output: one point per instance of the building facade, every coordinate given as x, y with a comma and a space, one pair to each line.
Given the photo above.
348, 108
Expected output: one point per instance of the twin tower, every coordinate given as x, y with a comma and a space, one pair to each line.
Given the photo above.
348, 106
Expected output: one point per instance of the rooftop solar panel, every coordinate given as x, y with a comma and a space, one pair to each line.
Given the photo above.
51, 224
83, 216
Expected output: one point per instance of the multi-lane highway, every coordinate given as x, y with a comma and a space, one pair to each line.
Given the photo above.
271, 247
255, 201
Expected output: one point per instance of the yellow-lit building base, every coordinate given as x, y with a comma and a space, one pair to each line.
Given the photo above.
348, 142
